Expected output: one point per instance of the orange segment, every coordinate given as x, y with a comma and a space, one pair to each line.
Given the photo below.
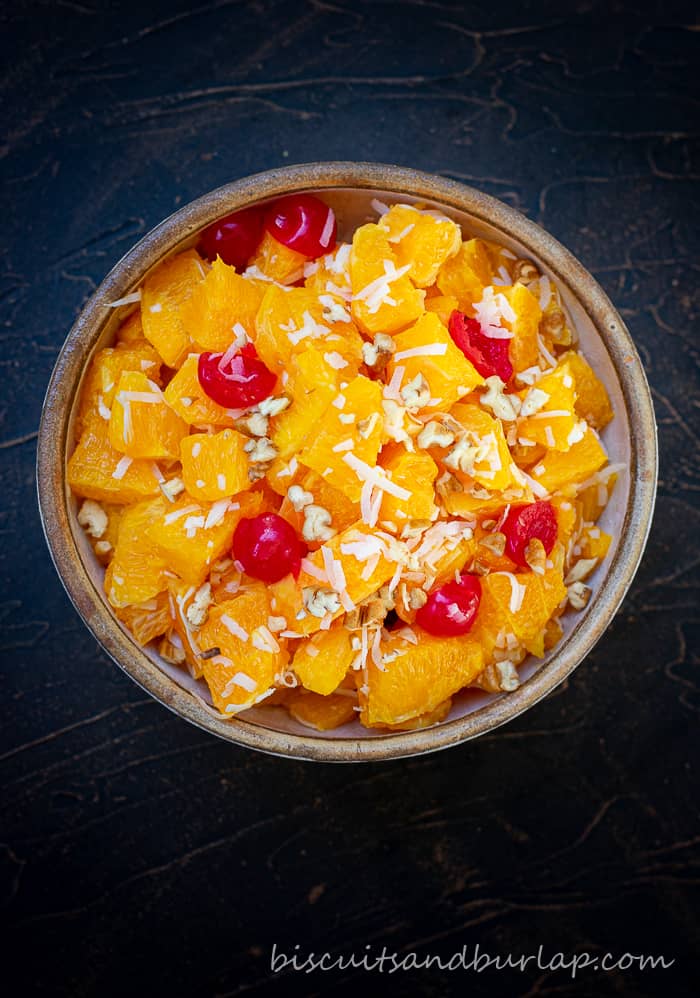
592, 401
421, 241
443, 306
219, 303
164, 292
131, 329
336, 438
520, 604
414, 471
322, 661
319, 712
554, 432
493, 470
97, 471
214, 465
104, 373
557, 469
142, 424
382, 301
427, 349
523, 349
147, 620
362, 556
137, 571
277, 262
250, 655
188, 399
465, 275
312, 385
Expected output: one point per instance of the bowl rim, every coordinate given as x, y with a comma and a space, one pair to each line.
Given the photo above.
165, 238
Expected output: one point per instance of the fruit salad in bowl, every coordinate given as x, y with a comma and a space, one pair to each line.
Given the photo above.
348, 477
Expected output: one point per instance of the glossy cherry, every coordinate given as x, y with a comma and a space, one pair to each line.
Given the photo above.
451, 609
489, 356
268, 547
237, 381
234, 238
303, 223
538, 520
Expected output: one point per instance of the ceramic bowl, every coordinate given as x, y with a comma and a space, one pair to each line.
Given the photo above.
349, 188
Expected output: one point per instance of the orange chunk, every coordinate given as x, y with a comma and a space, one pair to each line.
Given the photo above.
322, 661
312, 385
436, 359
443, 306
182, 538
188, 399
594, 543
214, 465
594, 498
523, 349
277, 262
493, 470
583, 459
554, 431
250, 655
219, 303
97, 471
337, 440
331, 273
522, 612
421, 241
322, 713
164, 292
592, 401
142, 424
147, 620
384, 299
131, 329
416, 472
137, 571
106, 368
422, 721
290, 321
417, 678
362, 554
465, 274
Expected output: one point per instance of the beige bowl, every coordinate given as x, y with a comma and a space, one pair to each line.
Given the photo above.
349, 188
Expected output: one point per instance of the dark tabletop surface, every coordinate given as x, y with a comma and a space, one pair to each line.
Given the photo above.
138, 854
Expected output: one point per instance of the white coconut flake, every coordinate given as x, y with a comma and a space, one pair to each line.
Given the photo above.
428, 350
121, 468
129, 299
325, 237
233, 627
545, 292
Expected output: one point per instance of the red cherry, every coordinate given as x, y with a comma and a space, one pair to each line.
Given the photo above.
237, 381
303, 223
234, 238
451, 609
525, 523
268, 548
488, 356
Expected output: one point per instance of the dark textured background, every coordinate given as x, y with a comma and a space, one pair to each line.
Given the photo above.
143, 857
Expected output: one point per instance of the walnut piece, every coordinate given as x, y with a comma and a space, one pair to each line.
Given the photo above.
376, 355
255, 423
533, 402
260, 451
578, 594
525, 272
198, 610
435, 434
495, 543
505, 407
93, 518
536, 556
317, 524
299, 498
320, 601
416, 393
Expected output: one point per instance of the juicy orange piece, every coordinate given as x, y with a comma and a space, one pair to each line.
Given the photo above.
592, 401
106, 368
557, 469
595, 498
494, 471
420, 241
142, 424
523, 349
277, 262
520, 604
362, 556
219, 303
214, 465
188, 399
97, 471
147, 620
465, 275
131, 329
416, 679
250, 656
422, 721
323, 713
163, 294
554, 431
312, 386
414, 471
443, 306
373, 273
436, 359
136, 572
322, 661
336, 438
182, 538
594, 543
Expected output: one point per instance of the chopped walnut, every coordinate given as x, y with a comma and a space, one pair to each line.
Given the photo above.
372, 611
103, 548
299, 498
93, 518
505, 407
553, 324
525, 272
462, 456
366, 426
578, 594
273, 406
198, 610
317, 524
479, 567
581, 570
495, 543
448, 484
412, 598
533, 402
434, 434
320, 601
416, 393
536, 556
395, 417
501, 677
276, 624
334, 311
376, 355
256, 424
260, 451
172, 489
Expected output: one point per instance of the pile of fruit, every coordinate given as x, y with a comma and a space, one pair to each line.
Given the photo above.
348, 479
